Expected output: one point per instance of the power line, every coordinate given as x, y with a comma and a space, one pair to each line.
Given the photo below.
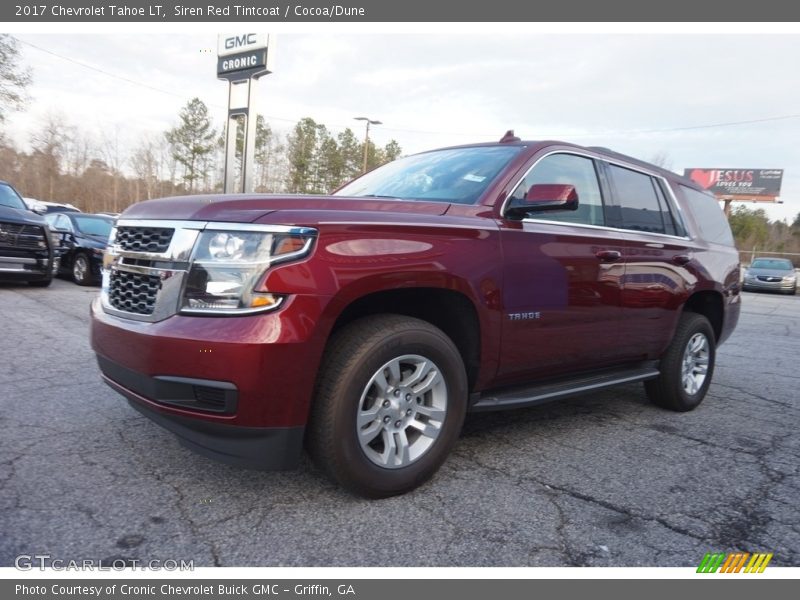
428, 132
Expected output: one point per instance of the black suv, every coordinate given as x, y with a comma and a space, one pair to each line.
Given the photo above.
26, 249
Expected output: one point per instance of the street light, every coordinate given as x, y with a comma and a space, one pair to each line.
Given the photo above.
366, 136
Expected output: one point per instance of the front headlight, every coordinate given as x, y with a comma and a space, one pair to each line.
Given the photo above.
227, 265
790, 278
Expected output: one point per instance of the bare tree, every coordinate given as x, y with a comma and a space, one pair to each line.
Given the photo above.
13, 78
48, 146
146, 164
661, 159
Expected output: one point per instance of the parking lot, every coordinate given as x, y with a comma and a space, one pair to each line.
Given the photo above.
602, 480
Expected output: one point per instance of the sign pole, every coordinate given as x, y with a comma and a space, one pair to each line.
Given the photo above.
241, 60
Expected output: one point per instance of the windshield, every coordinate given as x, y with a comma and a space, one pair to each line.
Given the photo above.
94, 225
772, 263
9, 197
458, 175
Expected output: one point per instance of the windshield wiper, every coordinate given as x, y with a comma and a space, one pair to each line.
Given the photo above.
380, 196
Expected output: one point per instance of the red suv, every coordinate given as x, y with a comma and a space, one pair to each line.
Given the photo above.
365, 324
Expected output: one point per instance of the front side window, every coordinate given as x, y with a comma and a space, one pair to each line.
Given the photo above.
570, 169
457, 175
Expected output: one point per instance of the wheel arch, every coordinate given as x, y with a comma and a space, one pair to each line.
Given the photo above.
710, 304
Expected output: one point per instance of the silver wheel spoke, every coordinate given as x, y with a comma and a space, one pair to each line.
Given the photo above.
425, 429
381, 382
394, 373
433, 413
433, 378
370, 433
403, 456
365, 417
420, 372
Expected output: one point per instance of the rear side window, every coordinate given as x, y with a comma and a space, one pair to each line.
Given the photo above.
710, 219
642, 206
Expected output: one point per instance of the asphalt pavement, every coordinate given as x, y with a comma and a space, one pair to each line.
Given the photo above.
602, 480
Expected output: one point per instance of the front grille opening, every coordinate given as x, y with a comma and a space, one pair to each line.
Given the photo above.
144, 239
28, 237
132, 292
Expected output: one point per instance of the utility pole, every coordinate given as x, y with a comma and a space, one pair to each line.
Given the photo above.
366, 137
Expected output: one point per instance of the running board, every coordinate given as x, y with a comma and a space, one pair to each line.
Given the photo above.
531, 395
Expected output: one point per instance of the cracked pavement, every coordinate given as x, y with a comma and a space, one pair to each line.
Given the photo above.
602, 480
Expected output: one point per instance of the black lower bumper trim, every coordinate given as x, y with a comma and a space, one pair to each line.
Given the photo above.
260, 448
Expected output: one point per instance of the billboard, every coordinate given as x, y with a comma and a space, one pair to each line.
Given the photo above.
754, 184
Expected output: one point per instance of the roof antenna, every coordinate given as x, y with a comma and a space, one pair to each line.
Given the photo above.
509, 137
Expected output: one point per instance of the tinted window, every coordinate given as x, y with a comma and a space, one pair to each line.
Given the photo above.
8, 197
456, 175
574, 170
97, 226
671, 224
709, 216
638, 199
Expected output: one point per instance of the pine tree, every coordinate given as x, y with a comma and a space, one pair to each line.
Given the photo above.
301, 152
192, 140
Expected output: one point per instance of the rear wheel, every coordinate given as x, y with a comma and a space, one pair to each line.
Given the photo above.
389, 405
81, 270
686, 367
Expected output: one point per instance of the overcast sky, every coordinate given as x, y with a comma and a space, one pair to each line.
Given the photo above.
631, 93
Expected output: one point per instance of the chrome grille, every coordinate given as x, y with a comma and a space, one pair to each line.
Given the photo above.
133, 292
144, 239
28, 237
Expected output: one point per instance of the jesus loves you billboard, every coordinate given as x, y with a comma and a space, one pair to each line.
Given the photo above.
746, 182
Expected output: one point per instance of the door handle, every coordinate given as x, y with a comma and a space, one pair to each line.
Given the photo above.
608, 255
681, 259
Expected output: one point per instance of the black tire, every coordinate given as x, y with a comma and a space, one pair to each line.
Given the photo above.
668, 389
41, 283
352, 360
82, 269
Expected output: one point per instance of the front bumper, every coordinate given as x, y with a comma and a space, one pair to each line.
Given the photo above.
259, 369
26, 268
262, 448
775, 286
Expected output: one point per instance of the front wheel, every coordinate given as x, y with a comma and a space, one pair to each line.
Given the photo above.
389, 405
686, 367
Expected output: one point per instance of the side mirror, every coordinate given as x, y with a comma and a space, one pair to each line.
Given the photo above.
544, 196
39, 209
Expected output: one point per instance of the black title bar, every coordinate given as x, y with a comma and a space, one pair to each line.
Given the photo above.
271, 11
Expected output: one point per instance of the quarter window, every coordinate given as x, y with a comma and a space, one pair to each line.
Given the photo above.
709, 216
569, 169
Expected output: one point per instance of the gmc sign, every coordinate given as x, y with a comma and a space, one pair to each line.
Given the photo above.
237, 43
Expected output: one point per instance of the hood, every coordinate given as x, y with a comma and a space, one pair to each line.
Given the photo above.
17, 215
247, 208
